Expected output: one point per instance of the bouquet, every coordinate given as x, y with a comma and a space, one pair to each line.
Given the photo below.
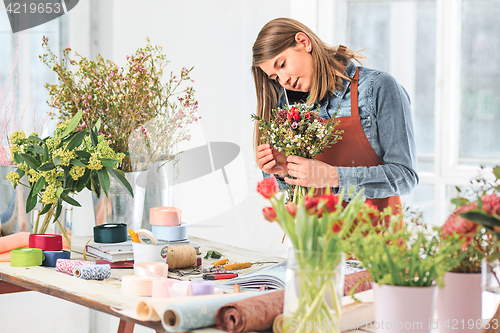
298, 130
477, 222
317, 228
65, 163
131, 101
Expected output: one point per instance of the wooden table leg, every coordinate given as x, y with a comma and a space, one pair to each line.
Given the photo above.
125, 327
8, 288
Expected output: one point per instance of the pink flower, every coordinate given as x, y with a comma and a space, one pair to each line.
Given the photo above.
269, 214
463, 227
491, 204
268, 187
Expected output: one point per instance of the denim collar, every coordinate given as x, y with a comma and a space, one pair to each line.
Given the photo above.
350, 71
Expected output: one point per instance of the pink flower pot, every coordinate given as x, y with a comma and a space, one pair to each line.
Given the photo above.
459, 303
403, 309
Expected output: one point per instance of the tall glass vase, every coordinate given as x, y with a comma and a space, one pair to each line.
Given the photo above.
314, 288
13, 216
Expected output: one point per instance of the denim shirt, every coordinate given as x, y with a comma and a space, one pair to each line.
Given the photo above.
385, 112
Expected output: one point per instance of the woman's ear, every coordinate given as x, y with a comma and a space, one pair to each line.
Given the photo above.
303, 41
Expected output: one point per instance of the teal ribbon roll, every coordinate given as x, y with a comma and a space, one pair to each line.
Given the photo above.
110, 233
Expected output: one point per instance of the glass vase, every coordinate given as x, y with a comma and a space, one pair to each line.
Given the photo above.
314, 287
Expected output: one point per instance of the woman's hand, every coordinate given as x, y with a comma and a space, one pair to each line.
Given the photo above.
270, 160
311, 173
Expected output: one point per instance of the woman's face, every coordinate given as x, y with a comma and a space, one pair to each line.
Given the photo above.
292, 68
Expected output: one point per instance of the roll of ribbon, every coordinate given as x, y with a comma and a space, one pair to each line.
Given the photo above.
148, 234
26, 257
67, 266
152, 269
93, 272
203, 288
173, 234
161, 287
137, 285
165, 216
52, 256
46, 242
110, 233
181, 289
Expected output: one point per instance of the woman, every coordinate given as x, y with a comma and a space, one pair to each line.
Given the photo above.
377, 151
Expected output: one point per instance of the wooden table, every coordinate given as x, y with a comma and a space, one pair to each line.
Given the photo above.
106, 295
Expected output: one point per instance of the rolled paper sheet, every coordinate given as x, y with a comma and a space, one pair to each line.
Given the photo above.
93, 272
161, 288
278, 324
52, 256
137, 285
188, 316
170, 233
165, 216
251, 314
350, 281
181, 289
67, 266
181, 256
152, 269
5, 257
46, 242
203, 287
14, 241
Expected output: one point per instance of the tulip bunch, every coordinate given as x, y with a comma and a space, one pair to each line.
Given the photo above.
298, 130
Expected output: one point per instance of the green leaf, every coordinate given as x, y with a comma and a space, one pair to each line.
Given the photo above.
93, 137
481, 218
97, 125
34, 138
77, 163
56, 160
82, 154
496, 171
108, 162
45, 209
20, 172
77, 140
459, 201
17, 159
83, 181
45, 152
70, 200
120, 178
104, 180
47, 166
31, 201
35, 149
38, 185
72, 124
59, 191
30, 161
58, 209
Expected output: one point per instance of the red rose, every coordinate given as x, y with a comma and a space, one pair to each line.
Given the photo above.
293, 114
268, 187
269, 214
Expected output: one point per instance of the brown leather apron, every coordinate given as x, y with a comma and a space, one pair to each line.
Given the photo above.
354, 150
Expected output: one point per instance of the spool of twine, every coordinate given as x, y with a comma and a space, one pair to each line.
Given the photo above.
181, 256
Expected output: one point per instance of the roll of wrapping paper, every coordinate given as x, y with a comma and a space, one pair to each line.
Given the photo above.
46, 242
52, 256
14, 241
187, 316
251, 314
93, 272
165, 216
67, 266
26, 257
181, 256
173, 234
110, 233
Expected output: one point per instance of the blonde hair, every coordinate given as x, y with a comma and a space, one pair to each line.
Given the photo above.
329, 64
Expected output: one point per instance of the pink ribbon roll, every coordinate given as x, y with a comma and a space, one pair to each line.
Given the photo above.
67, 266
203, 287
137, 285
165, 216
152, 269
181, 289
161, 287
46, 242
